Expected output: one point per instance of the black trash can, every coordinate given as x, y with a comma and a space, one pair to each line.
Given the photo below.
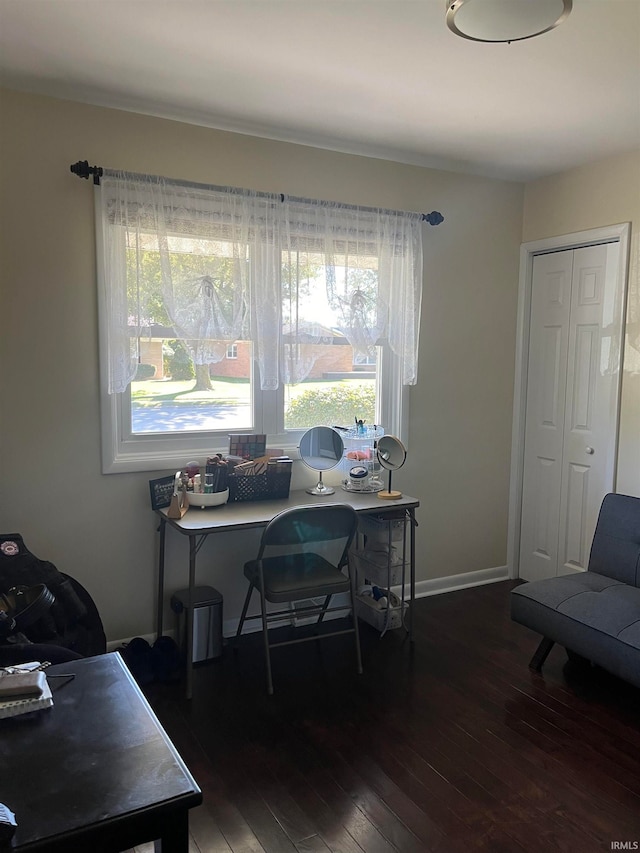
207, 622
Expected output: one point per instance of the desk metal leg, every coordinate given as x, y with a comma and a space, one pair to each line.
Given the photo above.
412, 580
193, 550
159, 617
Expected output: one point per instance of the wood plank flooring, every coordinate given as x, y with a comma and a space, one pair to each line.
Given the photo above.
454, 745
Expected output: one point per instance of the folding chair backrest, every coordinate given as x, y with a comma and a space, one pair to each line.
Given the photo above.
312, 524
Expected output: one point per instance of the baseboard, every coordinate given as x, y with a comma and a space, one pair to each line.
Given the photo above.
435, 586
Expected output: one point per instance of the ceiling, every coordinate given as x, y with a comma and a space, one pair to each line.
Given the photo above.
383, 78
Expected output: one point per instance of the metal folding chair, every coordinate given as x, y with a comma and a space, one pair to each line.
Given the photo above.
302, 554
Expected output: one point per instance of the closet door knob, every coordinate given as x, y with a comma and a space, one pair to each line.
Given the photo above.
589, 450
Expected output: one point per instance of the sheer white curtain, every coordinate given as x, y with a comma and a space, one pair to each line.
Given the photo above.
364, 267
202, 258
221, 264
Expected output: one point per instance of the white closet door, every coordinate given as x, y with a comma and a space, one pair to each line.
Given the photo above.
592, 402
544, 430
572, 406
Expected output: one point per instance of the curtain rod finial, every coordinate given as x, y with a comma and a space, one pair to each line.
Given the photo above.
433, 218
82, 169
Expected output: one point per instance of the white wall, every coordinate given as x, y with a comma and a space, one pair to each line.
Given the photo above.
98, 527
603, 193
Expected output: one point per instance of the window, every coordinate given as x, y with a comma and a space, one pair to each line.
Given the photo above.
363, 361
225, 311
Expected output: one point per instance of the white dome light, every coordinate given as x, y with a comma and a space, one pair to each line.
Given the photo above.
505, 20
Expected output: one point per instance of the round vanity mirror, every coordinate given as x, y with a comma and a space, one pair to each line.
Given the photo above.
391, 454
321, 449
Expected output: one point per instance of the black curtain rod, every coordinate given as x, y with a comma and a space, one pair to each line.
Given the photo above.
82, 169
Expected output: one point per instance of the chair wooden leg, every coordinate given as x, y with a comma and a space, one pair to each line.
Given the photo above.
541, 654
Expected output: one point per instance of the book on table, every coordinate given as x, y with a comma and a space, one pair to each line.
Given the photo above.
23, 692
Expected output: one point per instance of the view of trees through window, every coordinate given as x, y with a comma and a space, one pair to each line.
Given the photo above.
187, 383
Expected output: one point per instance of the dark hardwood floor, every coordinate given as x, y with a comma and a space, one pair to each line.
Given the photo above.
452, 746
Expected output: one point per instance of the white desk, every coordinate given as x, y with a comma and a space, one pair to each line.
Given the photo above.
197, 524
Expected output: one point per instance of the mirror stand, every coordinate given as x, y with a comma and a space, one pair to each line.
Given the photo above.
320, 488
389, 495
321, 449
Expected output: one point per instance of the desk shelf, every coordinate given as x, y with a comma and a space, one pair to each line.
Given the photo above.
378, 567
380, 560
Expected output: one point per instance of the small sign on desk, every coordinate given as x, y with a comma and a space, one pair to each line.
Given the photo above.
161, 491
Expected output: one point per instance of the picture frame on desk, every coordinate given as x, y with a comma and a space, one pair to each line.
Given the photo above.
161, 490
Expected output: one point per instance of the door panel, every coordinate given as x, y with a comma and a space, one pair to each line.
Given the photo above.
591, 413
585, 366
574, 553
545, 526
550, 392
546, 394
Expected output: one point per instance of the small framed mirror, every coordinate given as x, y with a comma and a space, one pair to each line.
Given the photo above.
321, 448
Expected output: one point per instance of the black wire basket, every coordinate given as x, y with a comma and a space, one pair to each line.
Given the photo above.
273, 484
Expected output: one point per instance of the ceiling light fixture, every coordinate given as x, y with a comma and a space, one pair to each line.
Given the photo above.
505, 20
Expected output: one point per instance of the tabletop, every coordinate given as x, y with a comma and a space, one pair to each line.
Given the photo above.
98, 756
245, 514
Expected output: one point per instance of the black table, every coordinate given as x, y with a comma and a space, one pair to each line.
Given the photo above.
96, 772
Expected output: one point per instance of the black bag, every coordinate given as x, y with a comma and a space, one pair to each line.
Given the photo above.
72, 621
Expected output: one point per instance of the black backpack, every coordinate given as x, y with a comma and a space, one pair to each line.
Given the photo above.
70, 621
